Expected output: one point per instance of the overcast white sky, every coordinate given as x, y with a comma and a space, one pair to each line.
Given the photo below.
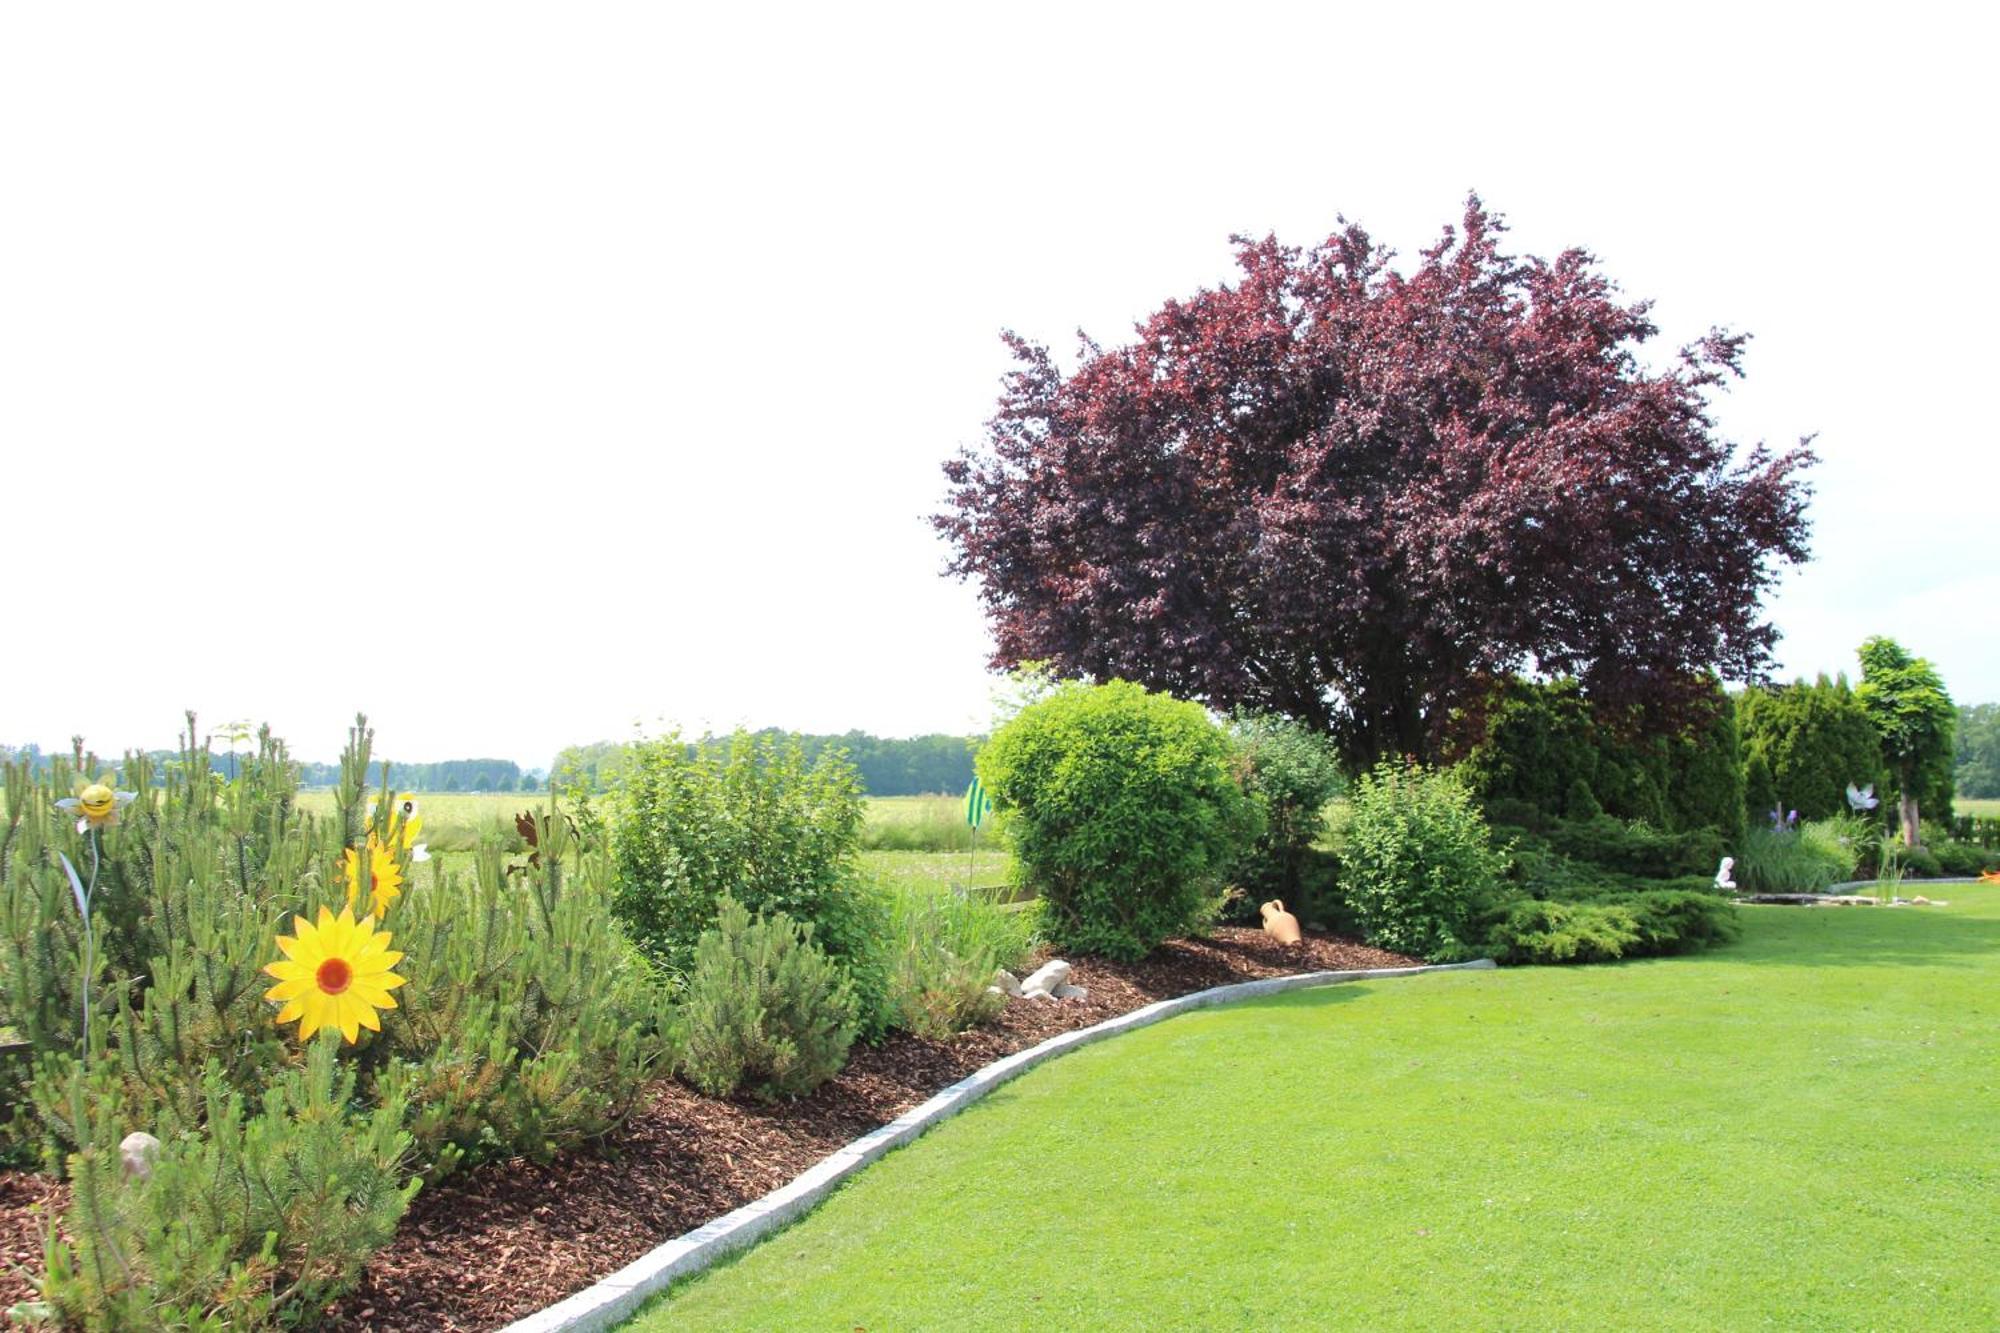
521, 373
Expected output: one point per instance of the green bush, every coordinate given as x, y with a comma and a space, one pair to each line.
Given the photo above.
944, 949
748, 818
1636, 848
1809, 859
1418, 867
765, 1008
1962, 858
1611, 926
1291, 772
257, 1210
1534, 931
1123, 813
529, 1025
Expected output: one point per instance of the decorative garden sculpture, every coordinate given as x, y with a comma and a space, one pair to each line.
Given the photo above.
1279, 924
1725, 874
1861, 799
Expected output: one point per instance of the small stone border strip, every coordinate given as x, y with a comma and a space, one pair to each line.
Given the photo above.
619, 1296
1848, 892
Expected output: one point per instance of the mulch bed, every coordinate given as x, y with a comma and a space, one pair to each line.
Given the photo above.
490, 1245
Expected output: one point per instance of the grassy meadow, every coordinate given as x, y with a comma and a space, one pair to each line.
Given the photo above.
1986, 808
1797, 1131
907, 840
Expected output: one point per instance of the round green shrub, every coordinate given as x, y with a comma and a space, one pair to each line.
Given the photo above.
1123, 813
1419, 867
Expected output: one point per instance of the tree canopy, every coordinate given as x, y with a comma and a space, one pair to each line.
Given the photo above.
1906, 700
1356, 497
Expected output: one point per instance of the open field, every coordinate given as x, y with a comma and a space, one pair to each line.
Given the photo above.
1988, 808
1797, 1131
907, 839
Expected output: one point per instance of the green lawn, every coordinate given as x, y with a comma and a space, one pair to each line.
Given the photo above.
1800, 1131
1968, 806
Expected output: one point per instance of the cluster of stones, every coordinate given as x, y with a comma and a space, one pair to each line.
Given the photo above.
1050, 981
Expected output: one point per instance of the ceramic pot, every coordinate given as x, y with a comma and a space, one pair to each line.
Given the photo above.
1279, 924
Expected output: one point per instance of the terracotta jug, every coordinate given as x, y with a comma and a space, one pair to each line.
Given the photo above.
1279, 924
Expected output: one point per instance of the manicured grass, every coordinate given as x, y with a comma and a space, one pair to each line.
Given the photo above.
1800, 1131
1971, 806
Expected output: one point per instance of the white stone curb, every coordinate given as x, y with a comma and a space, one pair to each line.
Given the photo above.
619, 1296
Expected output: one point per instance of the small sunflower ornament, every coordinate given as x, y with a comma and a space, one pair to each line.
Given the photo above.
95, 804
385, 877
335, 975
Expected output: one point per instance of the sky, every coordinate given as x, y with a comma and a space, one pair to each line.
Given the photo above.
523, 375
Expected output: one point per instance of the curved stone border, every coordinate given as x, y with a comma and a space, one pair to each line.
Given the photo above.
1846, 885
620, 1295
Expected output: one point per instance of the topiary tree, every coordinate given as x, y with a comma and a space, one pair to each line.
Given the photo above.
1906, 700
1123, 812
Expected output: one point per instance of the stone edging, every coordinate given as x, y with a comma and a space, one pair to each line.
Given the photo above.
619, 1296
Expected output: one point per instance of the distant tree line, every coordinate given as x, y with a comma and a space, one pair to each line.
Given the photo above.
444, 775
889, 766
1976, 764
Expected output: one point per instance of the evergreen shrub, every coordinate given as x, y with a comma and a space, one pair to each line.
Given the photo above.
765, 1010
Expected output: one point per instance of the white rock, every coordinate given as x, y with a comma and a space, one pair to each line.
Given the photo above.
1047, 977
1069, 992
135, 1154
1007, 983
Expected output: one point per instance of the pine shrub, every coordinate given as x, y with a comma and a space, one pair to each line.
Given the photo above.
527, 1023
261, 1210
765, 1008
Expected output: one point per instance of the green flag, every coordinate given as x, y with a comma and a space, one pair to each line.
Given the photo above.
977, 804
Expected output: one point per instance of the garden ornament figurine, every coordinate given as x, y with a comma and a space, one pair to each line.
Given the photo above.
1725, 874
1861, 800
1279, 924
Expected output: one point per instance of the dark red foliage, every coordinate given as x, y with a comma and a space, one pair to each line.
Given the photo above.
1354, 496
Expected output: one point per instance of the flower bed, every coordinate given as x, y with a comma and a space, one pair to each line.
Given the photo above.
489, 1245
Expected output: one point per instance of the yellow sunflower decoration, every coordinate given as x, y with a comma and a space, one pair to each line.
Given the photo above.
404, 826
335, 975
385, 877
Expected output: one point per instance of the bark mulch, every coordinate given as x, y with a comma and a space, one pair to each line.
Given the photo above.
490, 1245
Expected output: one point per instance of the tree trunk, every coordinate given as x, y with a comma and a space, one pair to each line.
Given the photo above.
1909, 812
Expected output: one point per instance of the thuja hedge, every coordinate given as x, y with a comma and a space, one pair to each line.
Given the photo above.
1545, 746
